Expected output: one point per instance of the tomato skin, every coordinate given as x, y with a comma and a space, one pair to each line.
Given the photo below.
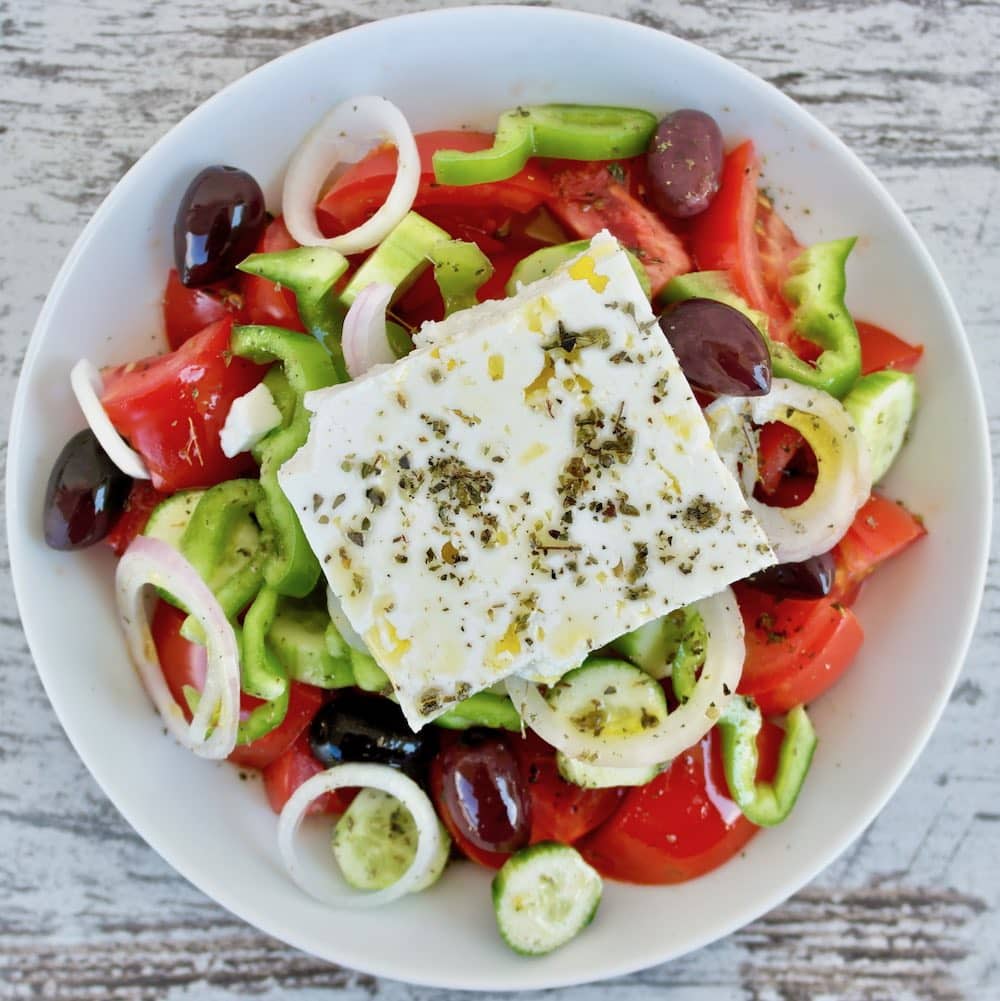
265, 302
297, 765
723, 237
880, 530
172, 407
777, 448
672, 829
184, 664
882, 349
587, 198
142, 499
795, 650
357, 193
560, 811
186, 311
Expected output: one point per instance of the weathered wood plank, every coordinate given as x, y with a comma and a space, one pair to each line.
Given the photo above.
87, 911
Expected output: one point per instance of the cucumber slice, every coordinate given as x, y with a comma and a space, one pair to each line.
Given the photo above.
609, 698
375, 840
882, 405
544, 896
673, 642
171, 516
588, 776
298, 638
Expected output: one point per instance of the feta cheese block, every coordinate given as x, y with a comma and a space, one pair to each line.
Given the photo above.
532, 482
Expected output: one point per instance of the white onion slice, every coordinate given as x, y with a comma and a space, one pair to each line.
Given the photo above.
682, 728
342, 624
364, 338
152, 563
369, 776
343, 135
87, 388
843, 480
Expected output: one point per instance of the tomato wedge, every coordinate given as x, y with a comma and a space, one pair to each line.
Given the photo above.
186, 311
882, 349
356, 194
795, 650
560, 811
172, 407
265, 302
683, 823
297, 765
881, 529
778, 447
587, 198
142, 498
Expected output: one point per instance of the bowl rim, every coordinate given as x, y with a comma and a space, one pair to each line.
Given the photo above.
214, 887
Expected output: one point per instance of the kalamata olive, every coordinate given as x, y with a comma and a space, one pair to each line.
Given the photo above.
85, 493
812, 578
719, 349
478, 783
218, 223
685, 162
357, 727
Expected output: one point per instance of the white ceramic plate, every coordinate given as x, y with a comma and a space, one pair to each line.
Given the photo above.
442, 69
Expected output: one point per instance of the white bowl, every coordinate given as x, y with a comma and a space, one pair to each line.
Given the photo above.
464, 66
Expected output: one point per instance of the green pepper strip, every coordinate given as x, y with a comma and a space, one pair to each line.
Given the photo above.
291, 568
311, 273
764, 803
565, 131
687, 652
263, 674
543, 262
482, 709
460, 269
816, 289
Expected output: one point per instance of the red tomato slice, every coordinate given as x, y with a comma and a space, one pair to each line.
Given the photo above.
795, 650
297, 765
882, 349
265, 302
186, 311
683, 823
184, 665
560, 811
777, 248
357, 194
880, 530
587, 199
779, 444
139, 504
724, 237
172, 407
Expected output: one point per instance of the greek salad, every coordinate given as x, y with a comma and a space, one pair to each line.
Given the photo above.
504, 498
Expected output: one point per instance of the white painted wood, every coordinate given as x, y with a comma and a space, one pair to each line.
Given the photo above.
912, 911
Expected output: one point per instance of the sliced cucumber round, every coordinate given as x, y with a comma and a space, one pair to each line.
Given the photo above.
171, 516
544, 896
882, 405
588, 776
610, 699
374, 842
674, 642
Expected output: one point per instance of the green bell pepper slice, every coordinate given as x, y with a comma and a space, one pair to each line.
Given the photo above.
311, 273
482, 709
460, 269
543, 262
764, 803
565, 131
263, 674
816, 290
291, 568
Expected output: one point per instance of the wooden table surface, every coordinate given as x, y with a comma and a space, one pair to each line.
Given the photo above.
911, 911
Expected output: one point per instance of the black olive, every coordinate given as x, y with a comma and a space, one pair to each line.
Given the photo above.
85, 494
218, 223
358, 727
812, 578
